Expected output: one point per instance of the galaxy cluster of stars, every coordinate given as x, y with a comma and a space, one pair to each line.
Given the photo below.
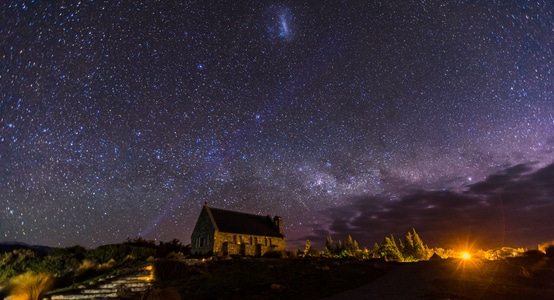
121, 118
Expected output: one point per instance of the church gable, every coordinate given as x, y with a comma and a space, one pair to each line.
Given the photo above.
203, 233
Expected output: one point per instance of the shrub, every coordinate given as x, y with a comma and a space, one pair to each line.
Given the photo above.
16, 262
166, 269
30, 285
175, 255
86, 267
107, 265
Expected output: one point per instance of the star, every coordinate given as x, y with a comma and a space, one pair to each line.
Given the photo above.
120, 120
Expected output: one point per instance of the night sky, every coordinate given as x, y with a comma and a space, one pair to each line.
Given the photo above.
122, 118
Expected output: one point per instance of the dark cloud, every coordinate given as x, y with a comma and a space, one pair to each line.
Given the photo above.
511, 207
501, 180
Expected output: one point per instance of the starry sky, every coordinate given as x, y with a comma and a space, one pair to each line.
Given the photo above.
122, 118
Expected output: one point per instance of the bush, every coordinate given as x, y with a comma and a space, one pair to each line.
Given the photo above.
166, 269
30, 285
86, 267
17, 262
120, 253
107, 265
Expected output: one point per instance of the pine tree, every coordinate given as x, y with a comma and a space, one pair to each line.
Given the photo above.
389, 250
350, 246
308, 248
366, 254
420, 249
375, 251
407, 249
329, 247
339, 248
412, 248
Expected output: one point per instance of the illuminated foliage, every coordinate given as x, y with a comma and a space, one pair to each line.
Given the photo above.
413, 248
30, 285
17, 262
347, 249
389, 250
309, 250
86, 267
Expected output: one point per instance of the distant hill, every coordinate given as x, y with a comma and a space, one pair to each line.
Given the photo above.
10, 246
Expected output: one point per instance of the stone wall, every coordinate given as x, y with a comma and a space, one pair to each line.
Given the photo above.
249, 245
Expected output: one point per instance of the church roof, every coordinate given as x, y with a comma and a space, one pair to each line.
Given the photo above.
242, 223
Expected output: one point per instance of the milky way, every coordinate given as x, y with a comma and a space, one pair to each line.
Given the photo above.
122, 118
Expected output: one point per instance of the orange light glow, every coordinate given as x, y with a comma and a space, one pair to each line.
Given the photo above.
466, 255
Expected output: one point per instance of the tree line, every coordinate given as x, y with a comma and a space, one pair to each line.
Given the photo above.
409, 249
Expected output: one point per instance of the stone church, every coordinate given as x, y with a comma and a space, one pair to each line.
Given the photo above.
224, 232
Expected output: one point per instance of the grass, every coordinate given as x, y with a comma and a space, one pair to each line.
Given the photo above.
30, 285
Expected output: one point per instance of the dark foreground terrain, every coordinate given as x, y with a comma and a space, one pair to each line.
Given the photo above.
515, 278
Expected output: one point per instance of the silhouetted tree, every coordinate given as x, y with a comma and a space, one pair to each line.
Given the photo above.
174, 245
141, 242
61, 261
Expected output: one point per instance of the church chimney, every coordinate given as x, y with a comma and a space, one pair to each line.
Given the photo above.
278, 221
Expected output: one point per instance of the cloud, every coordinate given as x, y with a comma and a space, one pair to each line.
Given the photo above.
512, 207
